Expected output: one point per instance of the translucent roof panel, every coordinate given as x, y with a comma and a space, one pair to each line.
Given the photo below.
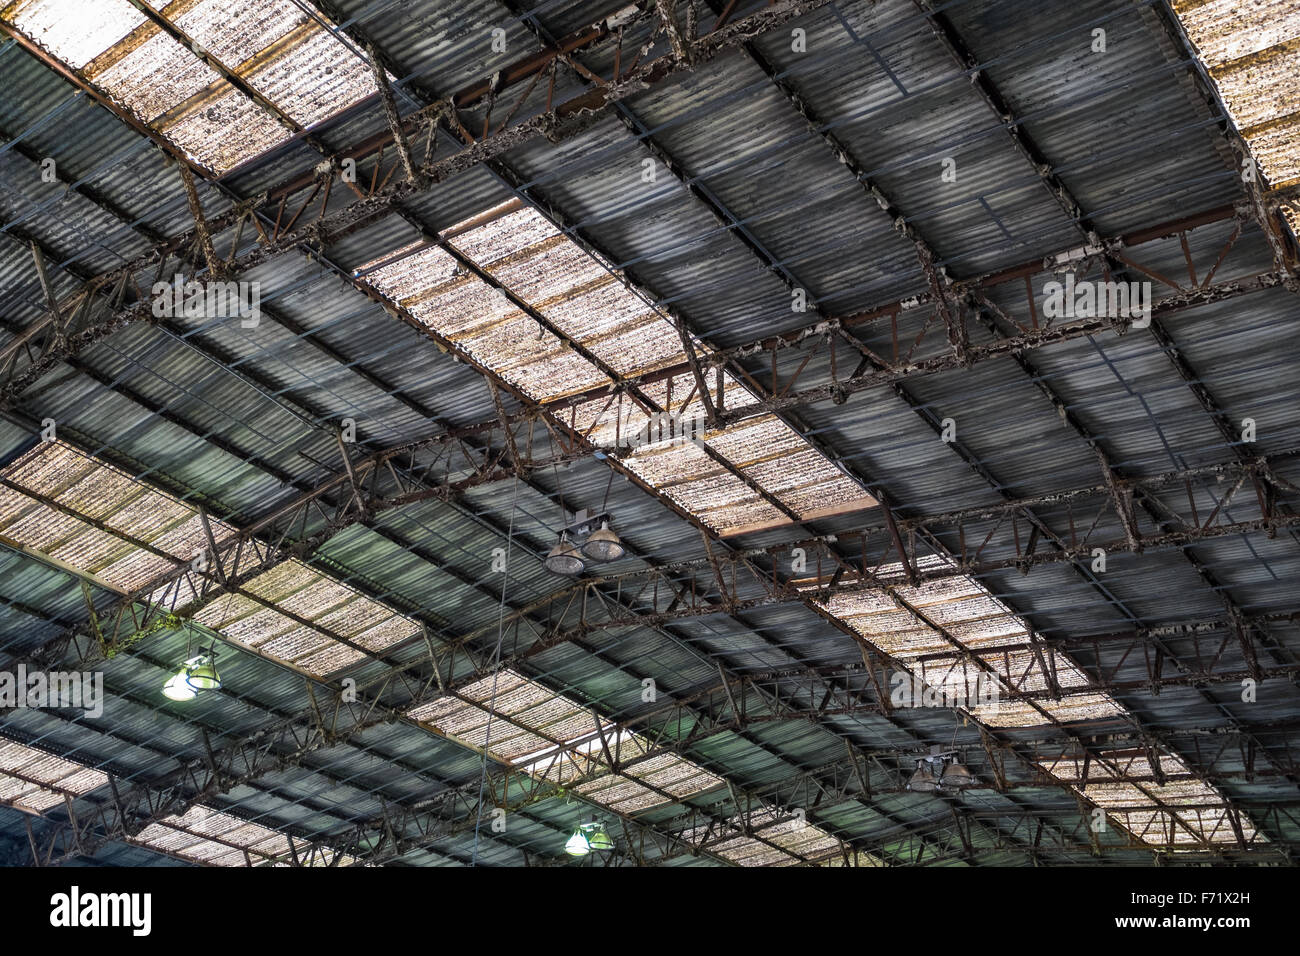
777, 841
976, 620
76, 31
291, 611
273, 46
587, 307
213, 838
528, 720
519, 718
35, 781
519, 721
645, 778
1252, 52
84, 512
92, 516
1183, 810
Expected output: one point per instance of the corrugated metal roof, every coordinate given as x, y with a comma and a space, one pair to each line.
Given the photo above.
181, 412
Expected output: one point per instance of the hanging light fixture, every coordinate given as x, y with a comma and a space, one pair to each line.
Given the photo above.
587, 837
177, 689
201, 672
956, 776
598, 839
196, 674
564, 558
578, 844
923, 781
603, 544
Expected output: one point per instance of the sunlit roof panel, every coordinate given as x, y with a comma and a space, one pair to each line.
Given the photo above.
76, 31
547, 735
1252, 52
960, 609
35, 781
313, 78
1227, 30
154, 77
575, 292
1185, 809
224, 131
783, 841
211, 837
235, 30
328, 605
273, 46
108, 507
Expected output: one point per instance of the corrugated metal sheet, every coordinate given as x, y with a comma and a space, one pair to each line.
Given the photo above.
35, 781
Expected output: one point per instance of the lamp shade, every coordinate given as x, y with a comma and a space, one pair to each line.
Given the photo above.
956, 776
600, 840
564, 558
923, 780
178, 688
578, 844
201, 674
603, 545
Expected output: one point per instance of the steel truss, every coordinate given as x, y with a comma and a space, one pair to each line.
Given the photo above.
1270, 522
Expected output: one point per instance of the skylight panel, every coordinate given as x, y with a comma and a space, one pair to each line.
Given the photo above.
793, 838
483, 322
1185, 809
36, 781
96, 518
977, 621
651, 778
79, 510
298, 593
272, 45
591, 309
151, 78
310, 75
551, 737
1252, 52
642, 780
525, 719
76, 31
213, 838
526, 714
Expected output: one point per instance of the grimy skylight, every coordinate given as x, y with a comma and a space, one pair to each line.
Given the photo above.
1252, 52
282, 53
36, 782
618, 326
1185, 809
551, 737
80, 511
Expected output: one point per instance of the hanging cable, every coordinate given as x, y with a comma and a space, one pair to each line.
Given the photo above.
604, 505
559, 494
496, 669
